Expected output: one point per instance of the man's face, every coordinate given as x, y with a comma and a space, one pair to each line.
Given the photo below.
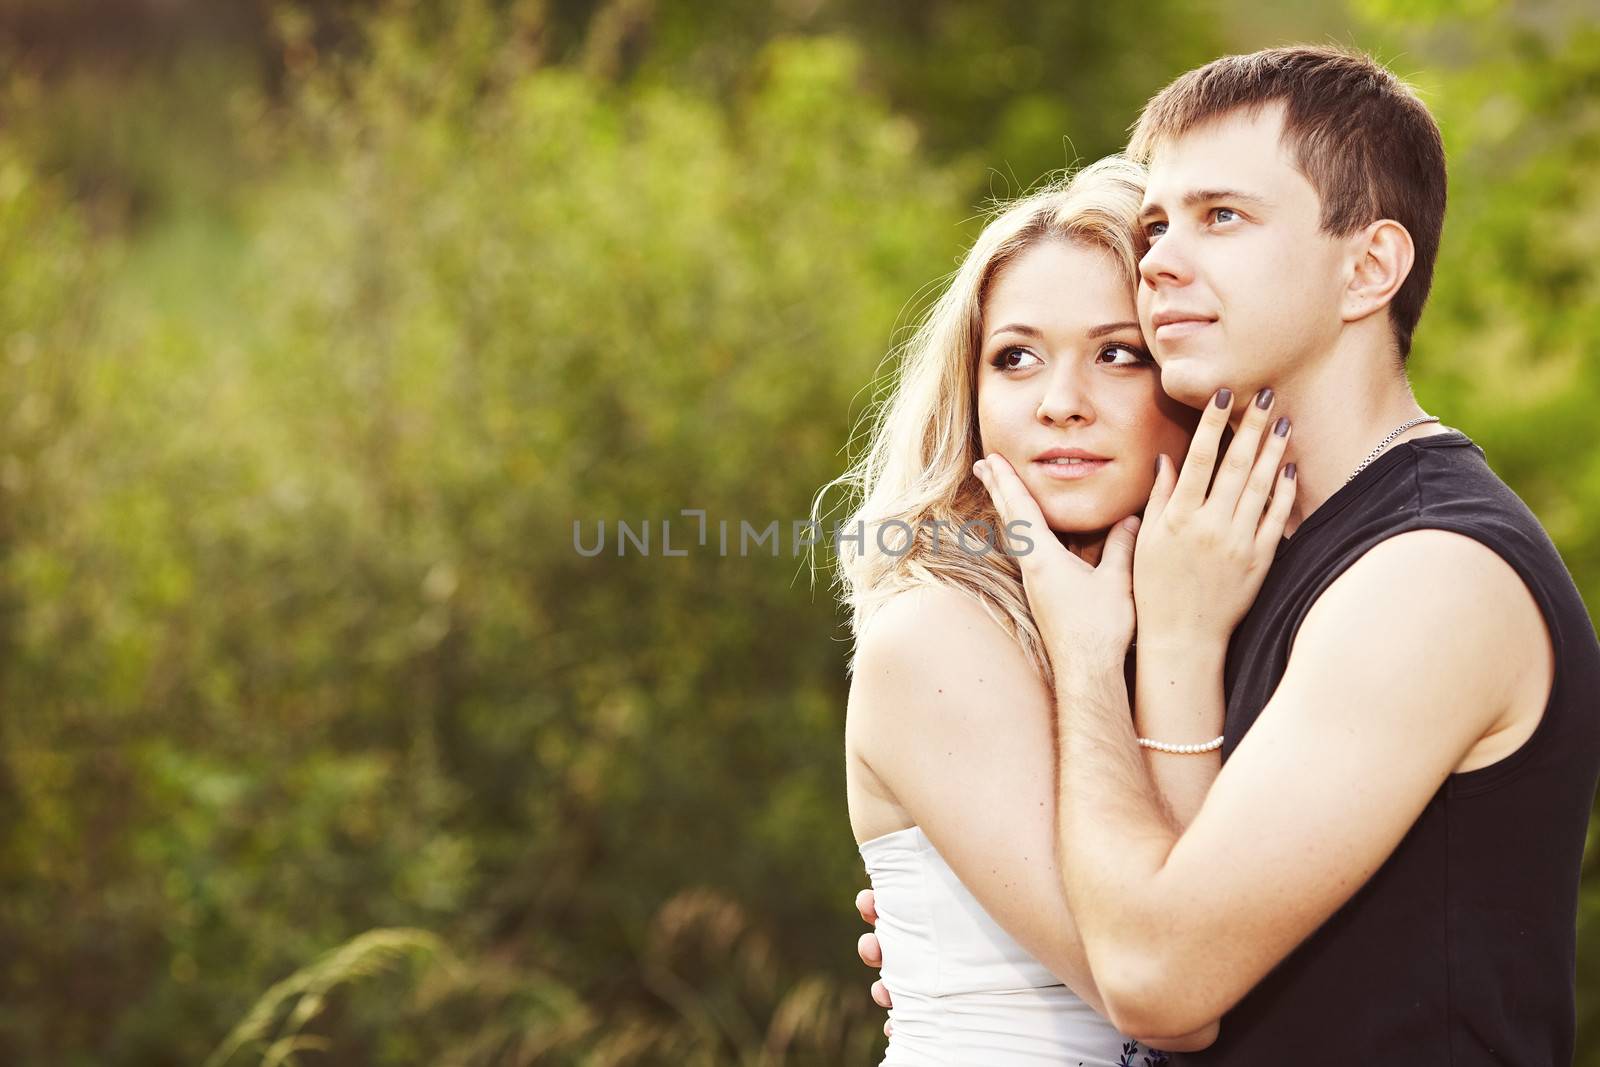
1240, 286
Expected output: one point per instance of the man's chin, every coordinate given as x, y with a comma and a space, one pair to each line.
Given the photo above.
1189, 380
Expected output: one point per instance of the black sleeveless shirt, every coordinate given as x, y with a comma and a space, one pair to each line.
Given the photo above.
1460, 950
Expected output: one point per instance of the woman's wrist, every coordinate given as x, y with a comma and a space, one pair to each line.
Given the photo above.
1180, 687
1182, 644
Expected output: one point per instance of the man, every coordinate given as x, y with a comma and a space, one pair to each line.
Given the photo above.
1385, 866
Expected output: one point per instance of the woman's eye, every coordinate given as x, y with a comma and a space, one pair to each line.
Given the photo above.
1218, 213
1010, 358
1132, 356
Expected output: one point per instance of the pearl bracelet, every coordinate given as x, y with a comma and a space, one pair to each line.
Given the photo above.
1182, 750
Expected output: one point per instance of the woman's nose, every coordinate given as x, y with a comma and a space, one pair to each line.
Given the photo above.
1066, 397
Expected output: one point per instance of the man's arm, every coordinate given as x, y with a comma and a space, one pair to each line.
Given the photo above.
1399, 669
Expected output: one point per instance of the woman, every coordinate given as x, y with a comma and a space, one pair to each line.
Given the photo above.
1034, 353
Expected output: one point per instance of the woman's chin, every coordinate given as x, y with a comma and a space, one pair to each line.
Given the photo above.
1076, 520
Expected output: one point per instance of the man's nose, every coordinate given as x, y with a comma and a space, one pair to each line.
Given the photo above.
1067, 394
1165, 263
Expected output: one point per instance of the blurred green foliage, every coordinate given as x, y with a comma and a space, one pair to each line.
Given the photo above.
321, 743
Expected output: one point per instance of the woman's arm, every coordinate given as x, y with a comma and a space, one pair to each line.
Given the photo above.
948, 714
946, 711
1200, 560
1178, 699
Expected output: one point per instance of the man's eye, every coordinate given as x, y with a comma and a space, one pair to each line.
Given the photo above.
1153, 230
1010, 358
1135, 355
1217, 213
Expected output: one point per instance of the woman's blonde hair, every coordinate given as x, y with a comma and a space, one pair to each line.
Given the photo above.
923, 439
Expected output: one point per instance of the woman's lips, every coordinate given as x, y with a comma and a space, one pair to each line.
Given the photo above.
1171, 331
1081, 468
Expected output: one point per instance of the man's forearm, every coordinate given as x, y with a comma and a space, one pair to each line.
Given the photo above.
1114, 829
1179, 699
1113, 825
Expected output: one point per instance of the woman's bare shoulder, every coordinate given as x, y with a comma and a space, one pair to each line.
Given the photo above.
935, 647
942, 699
932, 614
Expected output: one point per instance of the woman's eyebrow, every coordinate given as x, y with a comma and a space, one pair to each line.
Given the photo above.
1092, 333
1015, 327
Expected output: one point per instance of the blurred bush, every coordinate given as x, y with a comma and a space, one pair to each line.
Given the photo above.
305, 648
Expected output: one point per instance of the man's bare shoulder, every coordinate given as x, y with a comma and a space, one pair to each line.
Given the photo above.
1444, 602
1430, 568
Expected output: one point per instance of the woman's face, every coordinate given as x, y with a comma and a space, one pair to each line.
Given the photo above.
1063, 366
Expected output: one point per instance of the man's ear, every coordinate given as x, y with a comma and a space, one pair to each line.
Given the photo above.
1380, 261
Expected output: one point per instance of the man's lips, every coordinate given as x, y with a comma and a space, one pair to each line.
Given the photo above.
1173, 328
1178, 323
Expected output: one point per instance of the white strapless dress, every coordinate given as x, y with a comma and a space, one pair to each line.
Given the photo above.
965, 993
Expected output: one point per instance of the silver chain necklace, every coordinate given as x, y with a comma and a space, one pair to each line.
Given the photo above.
1396, 432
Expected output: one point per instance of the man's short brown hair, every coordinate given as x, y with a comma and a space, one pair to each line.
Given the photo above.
1363, 139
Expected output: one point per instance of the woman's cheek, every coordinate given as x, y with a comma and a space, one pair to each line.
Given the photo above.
1137, 491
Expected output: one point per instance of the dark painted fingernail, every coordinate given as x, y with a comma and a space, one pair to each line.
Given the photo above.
1224, 397
1288, 471
1264, 399
1281, 427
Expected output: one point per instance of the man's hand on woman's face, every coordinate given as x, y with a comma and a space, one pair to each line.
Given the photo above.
871, 953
